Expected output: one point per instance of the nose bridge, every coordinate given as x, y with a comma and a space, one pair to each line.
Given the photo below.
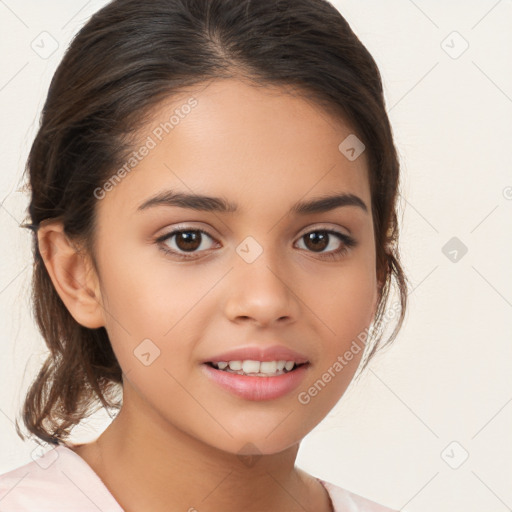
260, 259
259, 286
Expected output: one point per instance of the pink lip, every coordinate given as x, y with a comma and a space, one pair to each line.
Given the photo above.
257, 388
258, 353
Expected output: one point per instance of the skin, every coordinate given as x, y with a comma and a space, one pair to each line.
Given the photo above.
178, 437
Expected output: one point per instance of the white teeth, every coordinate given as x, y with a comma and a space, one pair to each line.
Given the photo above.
267, 367
260, 368
250, 366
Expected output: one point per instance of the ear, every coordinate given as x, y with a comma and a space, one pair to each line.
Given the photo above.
72, 274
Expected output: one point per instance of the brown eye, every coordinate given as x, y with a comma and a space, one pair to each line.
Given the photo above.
188, 240
182, 241
319, 240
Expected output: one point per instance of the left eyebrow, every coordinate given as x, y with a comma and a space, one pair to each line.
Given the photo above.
327, 203
217, 204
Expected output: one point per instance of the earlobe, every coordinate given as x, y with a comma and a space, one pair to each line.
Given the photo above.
72, 275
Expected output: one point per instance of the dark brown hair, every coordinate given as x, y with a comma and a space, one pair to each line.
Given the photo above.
121, 64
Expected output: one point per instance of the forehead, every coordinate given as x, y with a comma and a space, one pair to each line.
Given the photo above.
259, 146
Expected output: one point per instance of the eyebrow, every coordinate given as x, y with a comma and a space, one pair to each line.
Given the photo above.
217, 204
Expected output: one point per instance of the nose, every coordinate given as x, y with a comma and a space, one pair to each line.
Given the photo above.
261, 292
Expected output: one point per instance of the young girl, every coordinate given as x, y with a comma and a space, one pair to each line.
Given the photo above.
214, 188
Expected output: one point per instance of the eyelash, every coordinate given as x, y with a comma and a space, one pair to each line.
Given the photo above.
348, 243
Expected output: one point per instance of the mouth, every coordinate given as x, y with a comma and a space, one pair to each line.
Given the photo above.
252, 368
256, 380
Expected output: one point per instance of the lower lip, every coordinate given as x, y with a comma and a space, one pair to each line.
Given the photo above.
257, 388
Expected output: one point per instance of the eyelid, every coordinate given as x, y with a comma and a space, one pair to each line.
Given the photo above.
324, 227
185, 226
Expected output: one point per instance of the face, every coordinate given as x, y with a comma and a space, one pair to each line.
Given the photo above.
267, 274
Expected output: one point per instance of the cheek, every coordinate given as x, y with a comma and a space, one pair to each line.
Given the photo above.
343, 309
154, 300
344, 299
146, 291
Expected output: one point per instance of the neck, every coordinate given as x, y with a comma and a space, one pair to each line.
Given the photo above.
148, 463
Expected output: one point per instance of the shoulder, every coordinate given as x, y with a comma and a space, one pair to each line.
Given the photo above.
58, 480
346, 501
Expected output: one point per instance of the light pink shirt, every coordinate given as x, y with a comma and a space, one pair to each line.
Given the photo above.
61, 481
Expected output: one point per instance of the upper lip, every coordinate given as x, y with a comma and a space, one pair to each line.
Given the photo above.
259, 353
